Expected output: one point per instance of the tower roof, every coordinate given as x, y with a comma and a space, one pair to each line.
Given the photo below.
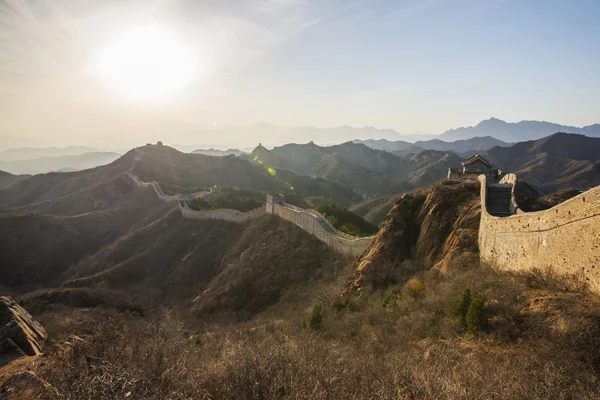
475, 158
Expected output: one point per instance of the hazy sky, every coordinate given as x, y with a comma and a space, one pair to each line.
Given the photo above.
412, 66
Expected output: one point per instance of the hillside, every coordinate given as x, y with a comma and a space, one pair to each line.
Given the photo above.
346, 221
176, 172
179, 172
429, 228
359, 167
210, 309
516, 131
555, 162
7, 179
465, 147
375, 210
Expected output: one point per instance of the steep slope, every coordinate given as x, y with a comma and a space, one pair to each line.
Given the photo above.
35, 249
270, 257
375, 210
169, 256
555, 162
339, 169
429, 228
429, 166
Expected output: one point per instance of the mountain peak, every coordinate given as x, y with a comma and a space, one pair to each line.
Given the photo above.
491, 122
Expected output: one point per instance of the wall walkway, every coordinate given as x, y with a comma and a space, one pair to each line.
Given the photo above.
309, 220
565, 238
317, 225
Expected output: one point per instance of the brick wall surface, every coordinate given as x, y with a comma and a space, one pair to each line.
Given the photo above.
565, 238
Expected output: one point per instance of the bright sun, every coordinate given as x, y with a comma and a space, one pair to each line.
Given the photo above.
147, 62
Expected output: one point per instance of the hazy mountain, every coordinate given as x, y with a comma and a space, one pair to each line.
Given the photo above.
360, 167
272, 135
59, 163
96, 225
464, 148
516, 131
219, 153
384, 144
30, 153
558, 161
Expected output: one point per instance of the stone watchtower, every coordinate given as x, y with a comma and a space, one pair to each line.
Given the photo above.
475, 166
277, 199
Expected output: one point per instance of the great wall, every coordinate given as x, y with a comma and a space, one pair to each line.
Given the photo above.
565, 238
309, 220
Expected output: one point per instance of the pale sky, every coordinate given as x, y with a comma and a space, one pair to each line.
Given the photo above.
408, 65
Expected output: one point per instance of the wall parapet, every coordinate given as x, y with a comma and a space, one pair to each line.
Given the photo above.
222, 214
317, 225
565, 238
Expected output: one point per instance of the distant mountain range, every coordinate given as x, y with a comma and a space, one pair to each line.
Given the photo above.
464, 148
516, 131
555, 162
30, 153
219, 153
360, 167
64, 163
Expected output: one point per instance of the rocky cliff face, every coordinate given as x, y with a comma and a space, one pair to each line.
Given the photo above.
18, 330
436, 227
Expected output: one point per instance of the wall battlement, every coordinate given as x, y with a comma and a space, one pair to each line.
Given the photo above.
565, 238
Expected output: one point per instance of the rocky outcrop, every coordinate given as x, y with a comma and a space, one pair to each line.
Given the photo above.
18, 330
430, 228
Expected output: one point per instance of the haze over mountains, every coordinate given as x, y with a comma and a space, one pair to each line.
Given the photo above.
64, 163
464, 148
516, 131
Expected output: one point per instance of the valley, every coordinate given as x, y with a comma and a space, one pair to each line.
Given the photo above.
254, 261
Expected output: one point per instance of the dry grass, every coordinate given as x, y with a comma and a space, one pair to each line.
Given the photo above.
540, 342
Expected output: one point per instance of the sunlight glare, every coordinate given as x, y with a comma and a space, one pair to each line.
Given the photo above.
147, 62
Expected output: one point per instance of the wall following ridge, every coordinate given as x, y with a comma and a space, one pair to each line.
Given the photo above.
314, 224
222, 214
161, 195
565, 238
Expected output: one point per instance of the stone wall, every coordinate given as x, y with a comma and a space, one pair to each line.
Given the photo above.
565, 238
222, 214
315, 224
309, 220
165, 197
